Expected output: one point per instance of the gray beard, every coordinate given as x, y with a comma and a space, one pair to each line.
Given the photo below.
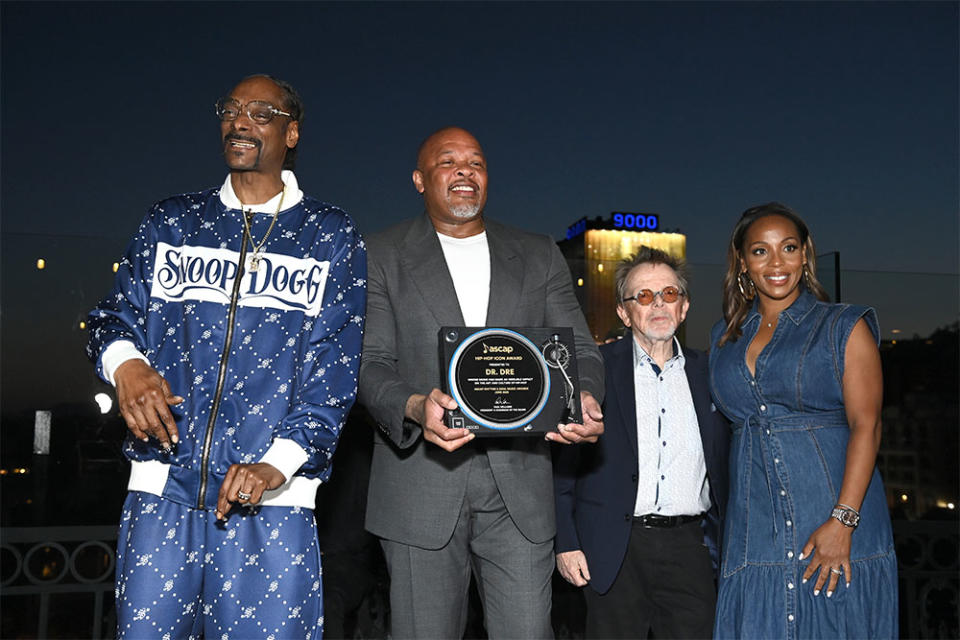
465, 210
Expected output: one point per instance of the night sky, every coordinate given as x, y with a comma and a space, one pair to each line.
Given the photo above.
848, 112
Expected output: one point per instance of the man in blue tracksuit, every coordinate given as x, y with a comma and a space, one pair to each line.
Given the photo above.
232, 335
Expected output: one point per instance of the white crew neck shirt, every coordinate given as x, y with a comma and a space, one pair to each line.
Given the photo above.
468, 260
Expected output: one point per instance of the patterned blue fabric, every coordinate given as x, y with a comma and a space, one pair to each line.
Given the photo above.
290, 374
787, 459
182, 574
295, 351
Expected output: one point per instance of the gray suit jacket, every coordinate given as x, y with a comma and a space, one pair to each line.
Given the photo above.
417, 489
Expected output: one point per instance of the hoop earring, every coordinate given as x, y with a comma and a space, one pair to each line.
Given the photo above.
743, 290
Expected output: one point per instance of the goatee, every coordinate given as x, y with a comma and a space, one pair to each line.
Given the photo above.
464, 210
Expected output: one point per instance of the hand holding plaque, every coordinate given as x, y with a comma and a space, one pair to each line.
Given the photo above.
589, 430
429, 411
510, 381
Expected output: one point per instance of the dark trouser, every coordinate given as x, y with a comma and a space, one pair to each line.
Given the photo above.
348, 576
666, 585
429, 587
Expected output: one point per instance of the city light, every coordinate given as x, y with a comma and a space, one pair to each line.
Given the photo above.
579, 282
600, 267
116, 265
951, 506
104, 401
83, 325
895, 331
17, 471
903, 497
41, 263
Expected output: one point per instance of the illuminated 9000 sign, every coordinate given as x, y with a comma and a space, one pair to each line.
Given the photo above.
648, 222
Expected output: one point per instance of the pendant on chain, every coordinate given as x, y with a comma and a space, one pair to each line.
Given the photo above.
258, 246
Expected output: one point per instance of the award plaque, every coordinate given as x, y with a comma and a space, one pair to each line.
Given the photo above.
510, 381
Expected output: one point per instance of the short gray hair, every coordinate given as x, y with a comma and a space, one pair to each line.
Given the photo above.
649, 255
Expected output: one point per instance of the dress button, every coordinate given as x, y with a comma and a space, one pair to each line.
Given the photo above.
789, 554
776, 461
768, 431
763, 407
752, 383
789, 585
790, 617
782, 492
789, 523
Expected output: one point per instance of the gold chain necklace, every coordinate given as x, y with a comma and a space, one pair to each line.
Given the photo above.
257, 247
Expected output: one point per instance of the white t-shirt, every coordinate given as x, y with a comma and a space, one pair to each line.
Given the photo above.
468, 260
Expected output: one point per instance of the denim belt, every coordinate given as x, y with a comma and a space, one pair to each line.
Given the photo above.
665, 522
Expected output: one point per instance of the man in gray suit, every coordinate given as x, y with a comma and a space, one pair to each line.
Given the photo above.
446, 505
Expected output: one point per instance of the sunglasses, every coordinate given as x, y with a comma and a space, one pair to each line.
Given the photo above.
645, 296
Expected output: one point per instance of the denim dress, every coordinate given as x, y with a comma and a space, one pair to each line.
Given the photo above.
787, 457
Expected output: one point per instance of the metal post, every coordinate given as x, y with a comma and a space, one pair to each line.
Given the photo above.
40, 462
44, 614
836, 274
97, 615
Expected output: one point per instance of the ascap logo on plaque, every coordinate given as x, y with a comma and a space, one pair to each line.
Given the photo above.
510, 381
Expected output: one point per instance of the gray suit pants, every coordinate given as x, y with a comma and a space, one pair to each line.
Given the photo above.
428, 587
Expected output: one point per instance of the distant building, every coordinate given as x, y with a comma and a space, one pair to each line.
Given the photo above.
593, 248
918, 449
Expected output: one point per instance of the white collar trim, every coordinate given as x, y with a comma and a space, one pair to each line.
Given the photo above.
640, 354
291, 195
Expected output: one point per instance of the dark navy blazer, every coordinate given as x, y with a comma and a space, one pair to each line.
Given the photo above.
596, 484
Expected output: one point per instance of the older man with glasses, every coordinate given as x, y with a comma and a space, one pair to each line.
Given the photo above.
232, 335
639, 514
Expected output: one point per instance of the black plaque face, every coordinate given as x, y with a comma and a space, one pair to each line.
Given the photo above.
499, 379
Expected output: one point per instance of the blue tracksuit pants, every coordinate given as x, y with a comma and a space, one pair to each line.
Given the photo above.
183, 574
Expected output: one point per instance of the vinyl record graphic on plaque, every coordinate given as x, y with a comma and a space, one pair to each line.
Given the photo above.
499, 379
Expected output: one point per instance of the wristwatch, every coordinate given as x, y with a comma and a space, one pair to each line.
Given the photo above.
848, 516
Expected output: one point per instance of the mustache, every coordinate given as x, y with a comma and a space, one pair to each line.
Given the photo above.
235, 136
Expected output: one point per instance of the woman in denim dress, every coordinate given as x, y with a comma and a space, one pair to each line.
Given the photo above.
808, 549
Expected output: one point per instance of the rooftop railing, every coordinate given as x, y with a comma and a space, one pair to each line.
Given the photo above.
70, 572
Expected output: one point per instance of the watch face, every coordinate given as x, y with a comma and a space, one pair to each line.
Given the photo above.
849, 518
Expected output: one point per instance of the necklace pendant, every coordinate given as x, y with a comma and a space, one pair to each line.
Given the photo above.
255, 262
